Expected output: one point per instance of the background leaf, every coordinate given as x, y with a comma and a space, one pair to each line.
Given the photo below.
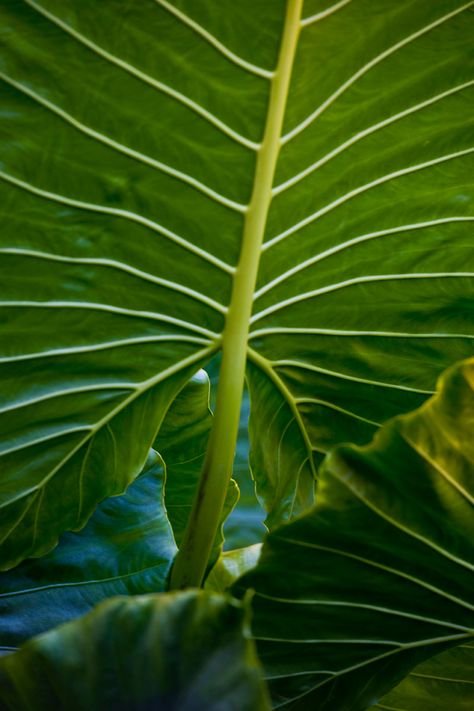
183, 651
182, 442
442, 682
244, 527
379, 576
127, 547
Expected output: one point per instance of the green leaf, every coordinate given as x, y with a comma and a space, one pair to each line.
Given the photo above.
182, 443
443, 682
174, 652
379, 576
127, 547
149, 151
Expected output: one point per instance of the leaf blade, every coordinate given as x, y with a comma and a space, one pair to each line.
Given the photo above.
378, 576
365, 277
127, 547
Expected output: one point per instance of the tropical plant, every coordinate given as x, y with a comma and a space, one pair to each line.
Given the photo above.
289, 186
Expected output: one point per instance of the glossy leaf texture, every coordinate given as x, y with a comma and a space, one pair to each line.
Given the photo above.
173, 652
442, 682
129, 142
126, 548
182, 443
380, 575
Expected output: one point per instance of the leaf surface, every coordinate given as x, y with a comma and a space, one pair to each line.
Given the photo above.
442, 682
380, 575
231, 566
365, 289
173, 652
130, 137
182, 443
126, 548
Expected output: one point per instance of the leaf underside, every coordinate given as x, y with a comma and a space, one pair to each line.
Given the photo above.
129, 141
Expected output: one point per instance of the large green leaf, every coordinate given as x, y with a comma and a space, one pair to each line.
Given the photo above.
182, 442
380, 575
127, 547
177, 652
133, 172
443, 682
365, 284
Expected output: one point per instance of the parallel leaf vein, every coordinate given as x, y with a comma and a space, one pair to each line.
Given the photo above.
402, 527
89, 305
363, 189
354, 282
92, 430
367, 67
355, 241
114, 264
367, 132
118, 212
142, 76
122, 148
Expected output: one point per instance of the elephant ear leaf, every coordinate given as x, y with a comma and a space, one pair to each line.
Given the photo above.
365, 287
380, 574
312, 161
185, 651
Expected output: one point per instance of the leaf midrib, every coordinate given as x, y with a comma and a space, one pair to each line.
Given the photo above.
192, 558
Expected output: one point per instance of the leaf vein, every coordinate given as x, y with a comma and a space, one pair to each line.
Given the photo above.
89, 305
353, 282
354, 241
367, 67
360, 190
126, 150
367, 132
310, 20
145, 78
113, 264
117, 212
214, 42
